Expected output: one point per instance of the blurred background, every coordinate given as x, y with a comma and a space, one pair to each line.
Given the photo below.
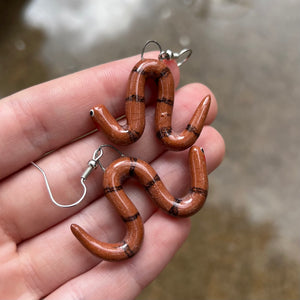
245, 243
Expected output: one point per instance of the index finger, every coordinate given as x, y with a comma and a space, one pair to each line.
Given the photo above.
52, 114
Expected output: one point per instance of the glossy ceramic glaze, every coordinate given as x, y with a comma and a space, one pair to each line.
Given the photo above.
135, 110
112, 182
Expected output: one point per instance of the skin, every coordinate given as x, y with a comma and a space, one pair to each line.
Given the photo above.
39, 256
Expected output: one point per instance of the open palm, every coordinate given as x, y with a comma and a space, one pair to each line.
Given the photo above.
39, 256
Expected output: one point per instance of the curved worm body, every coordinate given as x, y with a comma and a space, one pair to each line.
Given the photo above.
112, 182
135, 110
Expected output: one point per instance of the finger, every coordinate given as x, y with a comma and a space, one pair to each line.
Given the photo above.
125, 280
187, 100
49, 115
33, 212
57, 249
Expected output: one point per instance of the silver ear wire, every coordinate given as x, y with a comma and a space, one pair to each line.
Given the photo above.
150, 42
92, 164
50, 192
112, 147
180, 57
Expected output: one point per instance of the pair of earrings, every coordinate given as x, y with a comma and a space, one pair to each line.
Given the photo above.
133, 167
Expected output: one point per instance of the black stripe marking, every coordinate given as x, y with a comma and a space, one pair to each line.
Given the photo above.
131, 218
192, 129
164, 132
133, 161
135, 98
139, 70
133, 135
149, 184
112, 189
199, 190
127, 250
164, 73
174, 209
166, 101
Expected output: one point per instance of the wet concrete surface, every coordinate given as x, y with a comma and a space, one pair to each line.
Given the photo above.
245, 243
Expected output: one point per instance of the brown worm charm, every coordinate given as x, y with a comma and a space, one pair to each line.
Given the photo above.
135, 110
113, 189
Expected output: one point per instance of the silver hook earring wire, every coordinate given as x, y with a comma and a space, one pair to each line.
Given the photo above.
92, 165
112, 147
180, 57
51, 195
150, 42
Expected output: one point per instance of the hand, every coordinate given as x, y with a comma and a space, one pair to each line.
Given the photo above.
39, 256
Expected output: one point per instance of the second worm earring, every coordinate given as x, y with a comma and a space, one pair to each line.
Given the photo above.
147, 176
135, 106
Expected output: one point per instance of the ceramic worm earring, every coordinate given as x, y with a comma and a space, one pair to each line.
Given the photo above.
125, 167
135, 106
114, 175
